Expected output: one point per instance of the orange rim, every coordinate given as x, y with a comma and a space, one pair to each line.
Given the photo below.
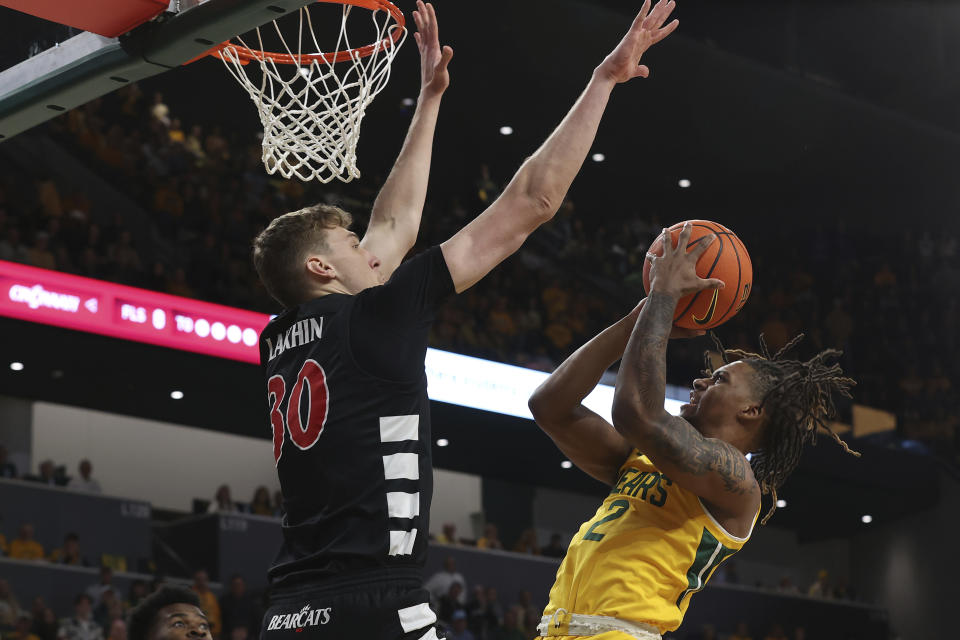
247, 55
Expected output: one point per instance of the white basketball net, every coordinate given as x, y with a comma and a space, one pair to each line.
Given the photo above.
311, 111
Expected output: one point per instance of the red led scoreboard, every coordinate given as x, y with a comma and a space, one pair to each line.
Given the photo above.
84, 304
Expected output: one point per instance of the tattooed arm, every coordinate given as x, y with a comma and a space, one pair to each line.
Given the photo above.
589, 441
711, 468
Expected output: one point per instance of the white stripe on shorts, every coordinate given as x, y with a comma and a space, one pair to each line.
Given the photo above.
401, 542
403, 505
401, 465
430, 635
399, 428
416, 617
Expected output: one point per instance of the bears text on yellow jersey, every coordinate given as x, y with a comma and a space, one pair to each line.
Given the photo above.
650, 546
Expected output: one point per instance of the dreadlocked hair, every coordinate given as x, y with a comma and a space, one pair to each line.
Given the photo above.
797, 398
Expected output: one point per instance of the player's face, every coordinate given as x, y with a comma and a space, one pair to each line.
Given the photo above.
356, 268
180, 622
717, 400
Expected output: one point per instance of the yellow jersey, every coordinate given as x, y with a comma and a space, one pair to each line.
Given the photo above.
650, 546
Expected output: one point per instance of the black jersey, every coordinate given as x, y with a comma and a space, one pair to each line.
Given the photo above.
347, 394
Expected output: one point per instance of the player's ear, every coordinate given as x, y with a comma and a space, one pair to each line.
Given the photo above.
317, 265
751, 415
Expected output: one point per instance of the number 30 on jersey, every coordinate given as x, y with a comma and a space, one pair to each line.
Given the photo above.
304, 423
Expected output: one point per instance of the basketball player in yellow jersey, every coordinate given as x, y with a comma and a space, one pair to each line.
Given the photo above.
683, 496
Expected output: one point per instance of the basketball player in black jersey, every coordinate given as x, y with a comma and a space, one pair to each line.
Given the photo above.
344, 362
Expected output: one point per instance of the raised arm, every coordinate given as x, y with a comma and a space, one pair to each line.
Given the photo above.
395, 219
589, 441
711, 468
538, 188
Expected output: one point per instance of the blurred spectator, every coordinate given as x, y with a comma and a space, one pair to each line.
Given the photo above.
238, 609
726, 574
512, 628
527, 607
458, 627
786, 585
799, 634
118, 630
776, 633
138, 591
45, 623
742, 632
490, 539
84, 482
841, 590
477, 613
39, 255
450, 602
821, 586
81, 625
4, 547
494, 608
12, 248
448, 535
48, 475
69, 553
175, 132
208, 601
9, 607
222, 502
110, 608
439, 583
531, 621
24, 547
555, 549
22, 630
104, 582
7, 468
159, 110
527, 543
260, 505
706, 632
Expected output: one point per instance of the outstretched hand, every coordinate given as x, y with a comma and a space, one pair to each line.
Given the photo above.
434, 77
647, 29
675, 272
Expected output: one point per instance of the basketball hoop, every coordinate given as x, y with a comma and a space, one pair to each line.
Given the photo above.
311, 104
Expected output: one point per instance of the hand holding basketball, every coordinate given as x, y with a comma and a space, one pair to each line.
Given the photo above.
433, 58
675, 272
715, 254
647, 30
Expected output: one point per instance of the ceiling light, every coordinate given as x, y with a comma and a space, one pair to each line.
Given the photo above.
16, 366
506, 130
866, 519
566, 464
442, 442
408, 102
684, 183
781, 503
176, 395
598, 157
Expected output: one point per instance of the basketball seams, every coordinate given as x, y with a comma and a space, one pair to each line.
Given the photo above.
722, 234
716, 260
736, 297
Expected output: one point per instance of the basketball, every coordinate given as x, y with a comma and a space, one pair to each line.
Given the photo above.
726, 259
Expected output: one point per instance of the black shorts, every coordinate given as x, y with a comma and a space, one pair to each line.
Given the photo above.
388, 611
